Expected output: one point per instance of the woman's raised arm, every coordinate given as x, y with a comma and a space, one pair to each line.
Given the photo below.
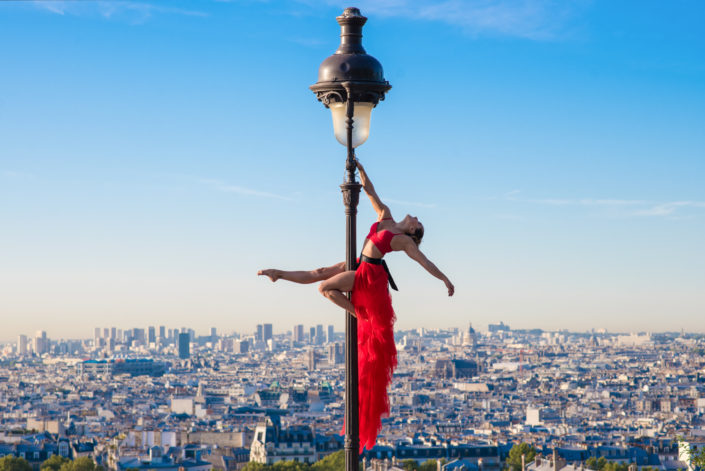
381, 208
412, 250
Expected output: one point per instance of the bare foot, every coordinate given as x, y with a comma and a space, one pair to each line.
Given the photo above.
273, 274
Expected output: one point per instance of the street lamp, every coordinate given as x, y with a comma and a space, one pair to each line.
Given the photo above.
351, 83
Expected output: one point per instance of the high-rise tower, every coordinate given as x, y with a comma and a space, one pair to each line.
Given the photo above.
184, 346
22, 345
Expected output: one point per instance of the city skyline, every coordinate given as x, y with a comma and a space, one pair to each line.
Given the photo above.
155, 155
282, 331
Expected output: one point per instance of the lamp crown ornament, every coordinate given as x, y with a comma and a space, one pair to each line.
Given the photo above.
351, 66
351, 23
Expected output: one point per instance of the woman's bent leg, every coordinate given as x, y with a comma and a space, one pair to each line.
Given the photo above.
333, 289
304, 277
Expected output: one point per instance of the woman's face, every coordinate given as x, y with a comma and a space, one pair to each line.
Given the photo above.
413, 223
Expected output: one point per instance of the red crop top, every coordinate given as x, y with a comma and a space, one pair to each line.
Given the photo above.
382, 239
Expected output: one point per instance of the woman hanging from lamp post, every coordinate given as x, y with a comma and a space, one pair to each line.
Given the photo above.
371, 303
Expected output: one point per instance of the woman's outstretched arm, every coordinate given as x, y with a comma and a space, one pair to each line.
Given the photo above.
412, 250
381, 208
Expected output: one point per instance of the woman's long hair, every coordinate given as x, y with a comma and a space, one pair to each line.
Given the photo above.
416, 236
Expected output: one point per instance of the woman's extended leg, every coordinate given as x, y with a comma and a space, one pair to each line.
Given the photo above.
333, 289
304, 277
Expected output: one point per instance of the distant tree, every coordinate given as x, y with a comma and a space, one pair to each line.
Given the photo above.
614, 466
698, 459
54, 463
11, 463
429, 465
289, 466
406, 465
514, 458
596, 464
80, 464
253, 466
333, 462
409, 465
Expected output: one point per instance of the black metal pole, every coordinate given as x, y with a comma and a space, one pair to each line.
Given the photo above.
351, 197
347, 76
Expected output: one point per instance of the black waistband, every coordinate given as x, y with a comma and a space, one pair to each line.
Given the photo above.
380, 261
374, 261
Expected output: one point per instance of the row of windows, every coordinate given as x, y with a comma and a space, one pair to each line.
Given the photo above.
35, 455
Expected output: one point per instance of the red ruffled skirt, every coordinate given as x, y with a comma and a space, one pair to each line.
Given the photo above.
376, 351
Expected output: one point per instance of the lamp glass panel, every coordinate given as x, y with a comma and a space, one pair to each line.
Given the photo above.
362, 112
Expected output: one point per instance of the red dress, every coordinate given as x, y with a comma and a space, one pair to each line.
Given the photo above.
376, 351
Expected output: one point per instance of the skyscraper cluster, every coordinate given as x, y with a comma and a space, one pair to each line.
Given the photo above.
37, 345
316, 335
182, 341
151, 336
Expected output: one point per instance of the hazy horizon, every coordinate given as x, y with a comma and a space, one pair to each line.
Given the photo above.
278, 330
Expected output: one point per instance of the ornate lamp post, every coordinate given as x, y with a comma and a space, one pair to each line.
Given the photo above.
351, 83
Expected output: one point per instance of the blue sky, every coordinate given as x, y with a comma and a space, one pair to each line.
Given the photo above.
154, 155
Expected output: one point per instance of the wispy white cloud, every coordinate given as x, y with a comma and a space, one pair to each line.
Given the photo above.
410, 203
515, 195
667, 209
586, 202
130, 11
241, 190
636, 207
529, 19
57, 7
308, 42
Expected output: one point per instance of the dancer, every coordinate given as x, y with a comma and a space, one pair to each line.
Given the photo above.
371, 303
